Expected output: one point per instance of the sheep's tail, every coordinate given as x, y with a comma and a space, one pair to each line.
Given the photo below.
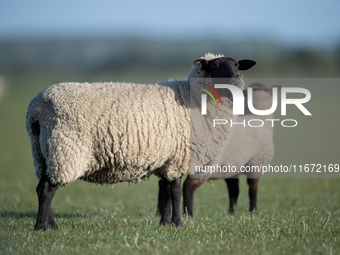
34, 131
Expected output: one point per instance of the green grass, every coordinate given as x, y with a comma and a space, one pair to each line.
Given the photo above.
295, 216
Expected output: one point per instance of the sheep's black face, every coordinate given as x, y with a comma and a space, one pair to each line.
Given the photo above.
223, 71
226, 68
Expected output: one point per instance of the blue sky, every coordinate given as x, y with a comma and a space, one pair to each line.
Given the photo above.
310, 23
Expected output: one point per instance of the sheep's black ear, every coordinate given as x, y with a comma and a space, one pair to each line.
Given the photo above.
245, 64
204, 64
201, 64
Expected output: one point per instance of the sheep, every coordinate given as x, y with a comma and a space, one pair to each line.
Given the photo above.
107, 133
251, 146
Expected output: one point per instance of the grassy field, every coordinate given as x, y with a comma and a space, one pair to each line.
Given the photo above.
295, 216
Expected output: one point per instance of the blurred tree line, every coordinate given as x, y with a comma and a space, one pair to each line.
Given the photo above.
100, 55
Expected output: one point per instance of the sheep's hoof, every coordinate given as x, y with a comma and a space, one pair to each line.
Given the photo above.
177, 223
165, 222
53, 225
232, 211
44, 226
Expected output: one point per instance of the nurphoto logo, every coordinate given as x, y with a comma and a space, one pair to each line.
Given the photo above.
239, 104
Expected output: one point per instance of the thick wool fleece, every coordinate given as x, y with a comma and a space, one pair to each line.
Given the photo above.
109, 132
112, 132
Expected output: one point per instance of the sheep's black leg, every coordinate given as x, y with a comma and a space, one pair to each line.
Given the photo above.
45, 191
253, 187
233, 189
160, 205
166, 212
189, 187
188, 197
176, 193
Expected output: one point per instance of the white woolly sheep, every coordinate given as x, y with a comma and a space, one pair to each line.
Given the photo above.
248, 146
108, 133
